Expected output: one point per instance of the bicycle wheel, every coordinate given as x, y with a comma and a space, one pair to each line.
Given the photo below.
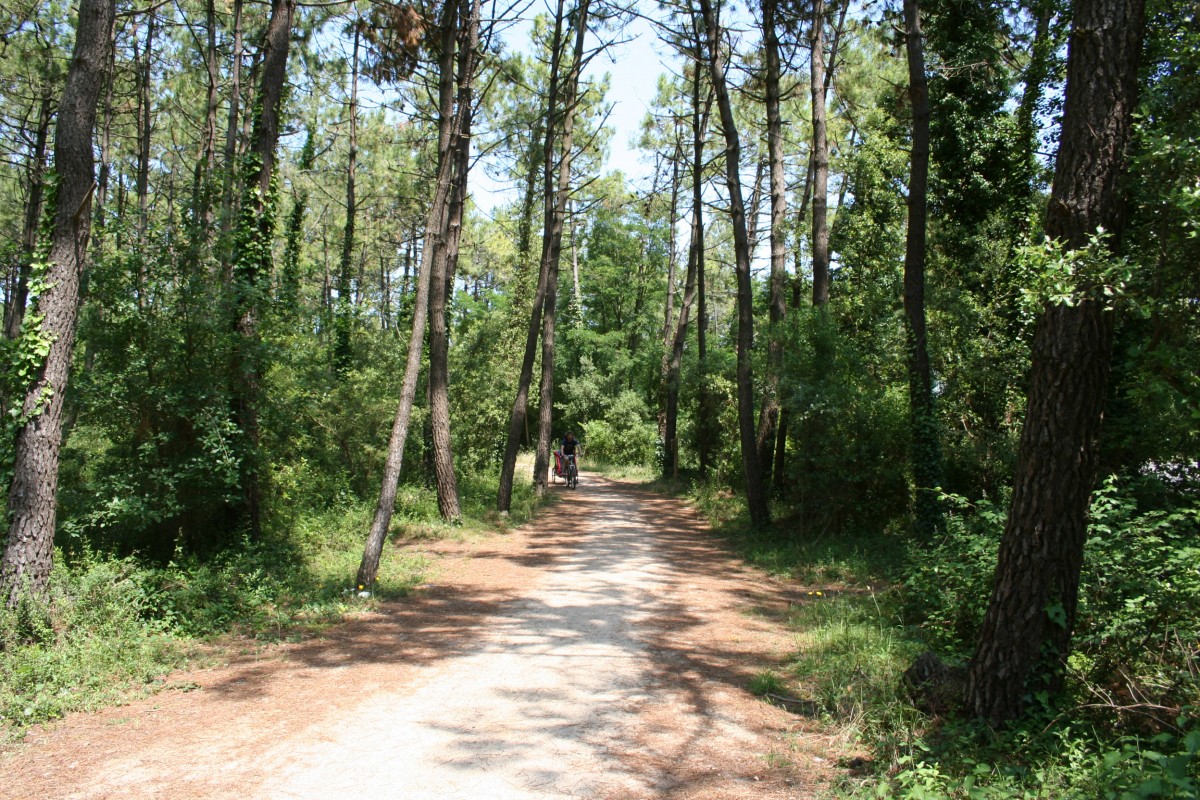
572, 476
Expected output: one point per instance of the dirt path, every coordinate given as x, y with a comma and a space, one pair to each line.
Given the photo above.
603, 653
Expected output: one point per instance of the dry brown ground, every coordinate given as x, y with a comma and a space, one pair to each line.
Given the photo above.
602, 652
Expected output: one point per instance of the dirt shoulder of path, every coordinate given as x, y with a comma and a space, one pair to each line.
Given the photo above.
698, 730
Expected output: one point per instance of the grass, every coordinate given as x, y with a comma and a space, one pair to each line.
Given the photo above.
853, 643
111, 629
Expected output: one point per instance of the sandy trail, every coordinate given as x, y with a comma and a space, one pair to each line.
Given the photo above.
602, 653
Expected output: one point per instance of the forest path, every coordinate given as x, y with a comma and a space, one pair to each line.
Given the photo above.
601, 653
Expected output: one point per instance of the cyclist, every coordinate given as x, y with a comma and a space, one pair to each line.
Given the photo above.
570, 447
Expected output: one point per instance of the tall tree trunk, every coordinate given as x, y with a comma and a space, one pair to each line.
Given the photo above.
925, 455
556, 207
202, 189
1026, 632
289, 277
368, 568
768, 418
343, 313
669, 310
231, 127
101, 195
444, 265
820, 201
1037, 73
671, 436
756, 499
144, 123
14, 312
705, 413
252, 263
517, 418
31, 496
797, 297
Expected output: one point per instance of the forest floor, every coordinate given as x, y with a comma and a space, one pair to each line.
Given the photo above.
602, 652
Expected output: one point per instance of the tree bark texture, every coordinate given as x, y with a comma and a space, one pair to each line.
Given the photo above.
14, 312
517, 418
556, 208
756, 499
925, 453
820, 201
343, 313
368, 568
1027, 628
768, 417
252, 262
445, 263
32, 494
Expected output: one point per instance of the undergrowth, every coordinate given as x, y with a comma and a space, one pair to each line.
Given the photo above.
868, 603
110, 628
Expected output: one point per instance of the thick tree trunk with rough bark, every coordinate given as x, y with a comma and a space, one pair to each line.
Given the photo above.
925, 454
438, 210
756, 499
1027, 628
31, 496
252, 258
443, 274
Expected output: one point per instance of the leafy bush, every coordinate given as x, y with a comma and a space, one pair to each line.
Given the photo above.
85, 643
624, 435
946, 591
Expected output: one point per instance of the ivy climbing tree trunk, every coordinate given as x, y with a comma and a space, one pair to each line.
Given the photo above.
1026, 632
343, 315
32, 510
18, 296
252, 256
925, 455
756, 499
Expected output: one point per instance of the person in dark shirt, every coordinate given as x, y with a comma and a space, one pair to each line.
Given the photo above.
570, 447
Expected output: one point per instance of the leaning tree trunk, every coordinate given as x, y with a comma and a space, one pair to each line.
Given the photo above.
517, 418
756, 499
31, 496
1027, 629
368, 568
555, 214
926, 455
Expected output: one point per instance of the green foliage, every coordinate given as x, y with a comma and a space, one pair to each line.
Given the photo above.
948, 581
86, 643
849, 429
1058, 276
624, 434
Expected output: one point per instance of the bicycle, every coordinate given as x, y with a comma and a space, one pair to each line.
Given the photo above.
571, 471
